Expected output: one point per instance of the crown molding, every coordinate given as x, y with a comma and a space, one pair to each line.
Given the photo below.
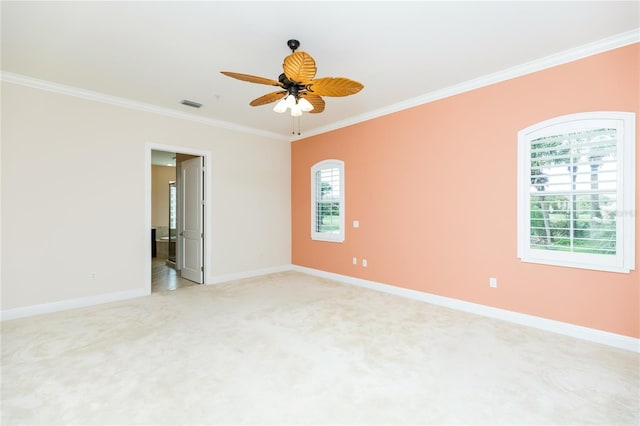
574, 54
590, 49
49, 86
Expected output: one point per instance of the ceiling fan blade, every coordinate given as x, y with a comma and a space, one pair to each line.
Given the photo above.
315, 100
299, 67
268, 98
252, 78
334, 86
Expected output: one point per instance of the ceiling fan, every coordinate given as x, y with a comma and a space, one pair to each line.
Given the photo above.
300, 90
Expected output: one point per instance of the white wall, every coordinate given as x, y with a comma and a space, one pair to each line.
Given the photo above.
73, 196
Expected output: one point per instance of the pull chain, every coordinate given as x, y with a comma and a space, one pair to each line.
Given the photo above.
293, 126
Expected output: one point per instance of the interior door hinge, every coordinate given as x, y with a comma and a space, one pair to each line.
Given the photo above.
202, 269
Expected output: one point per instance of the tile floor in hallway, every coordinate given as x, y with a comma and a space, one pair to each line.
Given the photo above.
165, 278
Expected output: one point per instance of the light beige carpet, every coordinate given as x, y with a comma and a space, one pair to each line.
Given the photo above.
294, 349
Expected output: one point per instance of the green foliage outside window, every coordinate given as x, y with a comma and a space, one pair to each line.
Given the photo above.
570, 207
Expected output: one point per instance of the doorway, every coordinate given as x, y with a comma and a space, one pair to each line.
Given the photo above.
181, 235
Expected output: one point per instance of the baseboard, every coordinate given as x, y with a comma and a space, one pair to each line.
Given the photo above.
65, 305
572, 330
84, 302
248, 274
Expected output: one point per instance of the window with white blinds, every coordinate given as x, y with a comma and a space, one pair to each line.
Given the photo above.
576, 195
327, 201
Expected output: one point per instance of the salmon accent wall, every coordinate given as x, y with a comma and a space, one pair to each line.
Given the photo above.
434, 189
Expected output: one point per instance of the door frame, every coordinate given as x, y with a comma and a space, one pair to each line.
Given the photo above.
207, 214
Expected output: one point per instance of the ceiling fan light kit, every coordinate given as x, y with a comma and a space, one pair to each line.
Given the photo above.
300, 90
298, 106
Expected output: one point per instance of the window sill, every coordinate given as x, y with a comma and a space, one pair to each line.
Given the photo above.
605, 268
334, 239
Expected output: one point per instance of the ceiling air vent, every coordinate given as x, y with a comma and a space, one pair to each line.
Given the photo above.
191, 103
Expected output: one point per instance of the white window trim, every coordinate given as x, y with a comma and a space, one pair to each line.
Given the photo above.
624, 260
325, 236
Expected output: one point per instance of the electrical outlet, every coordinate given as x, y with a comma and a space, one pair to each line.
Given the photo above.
92, 276
364, 263
493, 282
355, 260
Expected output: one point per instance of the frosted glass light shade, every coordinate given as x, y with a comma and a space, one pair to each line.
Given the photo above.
298, 106
290, 100
296, 111
305, 105
281, 106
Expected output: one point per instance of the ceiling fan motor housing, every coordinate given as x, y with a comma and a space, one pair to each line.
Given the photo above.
290, 86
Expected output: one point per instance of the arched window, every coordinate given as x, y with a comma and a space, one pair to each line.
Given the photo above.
327, 201
576, 191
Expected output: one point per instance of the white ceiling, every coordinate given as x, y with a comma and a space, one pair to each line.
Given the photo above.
159, 53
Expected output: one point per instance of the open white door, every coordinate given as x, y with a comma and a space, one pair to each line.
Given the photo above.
192, 233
